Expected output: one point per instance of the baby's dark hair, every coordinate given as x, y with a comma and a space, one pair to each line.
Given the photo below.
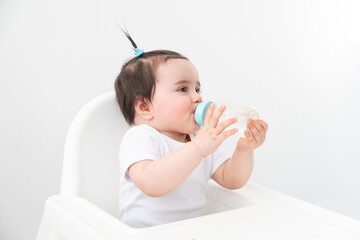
137, 78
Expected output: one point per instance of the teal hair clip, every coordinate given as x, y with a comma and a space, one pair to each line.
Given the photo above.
138, 52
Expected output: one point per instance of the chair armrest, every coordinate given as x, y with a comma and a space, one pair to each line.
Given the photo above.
232, 199
77, 218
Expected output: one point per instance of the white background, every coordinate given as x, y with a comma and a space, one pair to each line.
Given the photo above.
297, 62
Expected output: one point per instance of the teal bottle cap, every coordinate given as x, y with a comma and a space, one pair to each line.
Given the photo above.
201, 111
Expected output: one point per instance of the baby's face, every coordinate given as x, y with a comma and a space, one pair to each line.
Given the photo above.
176, 98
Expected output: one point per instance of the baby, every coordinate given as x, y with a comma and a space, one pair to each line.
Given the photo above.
166, 159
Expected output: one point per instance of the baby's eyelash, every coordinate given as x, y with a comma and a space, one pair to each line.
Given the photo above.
184, 89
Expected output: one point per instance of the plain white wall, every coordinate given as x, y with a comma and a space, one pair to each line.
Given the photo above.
297, 62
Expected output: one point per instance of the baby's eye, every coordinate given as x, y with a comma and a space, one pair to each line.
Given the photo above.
183, 89
198, 90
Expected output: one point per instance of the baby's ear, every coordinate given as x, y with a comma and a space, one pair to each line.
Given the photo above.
143, 108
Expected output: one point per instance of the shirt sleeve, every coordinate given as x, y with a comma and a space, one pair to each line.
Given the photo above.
218, 158
137, 144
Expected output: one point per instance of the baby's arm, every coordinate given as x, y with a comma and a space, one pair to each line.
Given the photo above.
158, 177
236, 171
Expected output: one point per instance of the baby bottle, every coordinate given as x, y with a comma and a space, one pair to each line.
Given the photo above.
242, 113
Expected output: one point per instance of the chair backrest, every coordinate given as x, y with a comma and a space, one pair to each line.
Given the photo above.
91, 164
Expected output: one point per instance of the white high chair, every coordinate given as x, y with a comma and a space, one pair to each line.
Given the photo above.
87, 205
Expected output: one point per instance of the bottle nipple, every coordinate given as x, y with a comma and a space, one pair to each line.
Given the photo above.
201, 111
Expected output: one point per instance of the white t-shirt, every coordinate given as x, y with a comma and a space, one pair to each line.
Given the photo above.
186, 201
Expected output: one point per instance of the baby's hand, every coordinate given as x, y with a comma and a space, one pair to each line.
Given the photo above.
210, 137
258, 129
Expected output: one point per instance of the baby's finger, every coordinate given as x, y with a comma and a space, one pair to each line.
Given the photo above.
258, 126
248, 136
224, 135
264, 125
209, 114
215, 118
260, 137
225, 124
253, 127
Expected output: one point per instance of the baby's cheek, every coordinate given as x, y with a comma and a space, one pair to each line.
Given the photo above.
181, 109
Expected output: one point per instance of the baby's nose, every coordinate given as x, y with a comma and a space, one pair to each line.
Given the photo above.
197, 98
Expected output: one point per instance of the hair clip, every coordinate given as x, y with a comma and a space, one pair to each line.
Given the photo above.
138, 52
